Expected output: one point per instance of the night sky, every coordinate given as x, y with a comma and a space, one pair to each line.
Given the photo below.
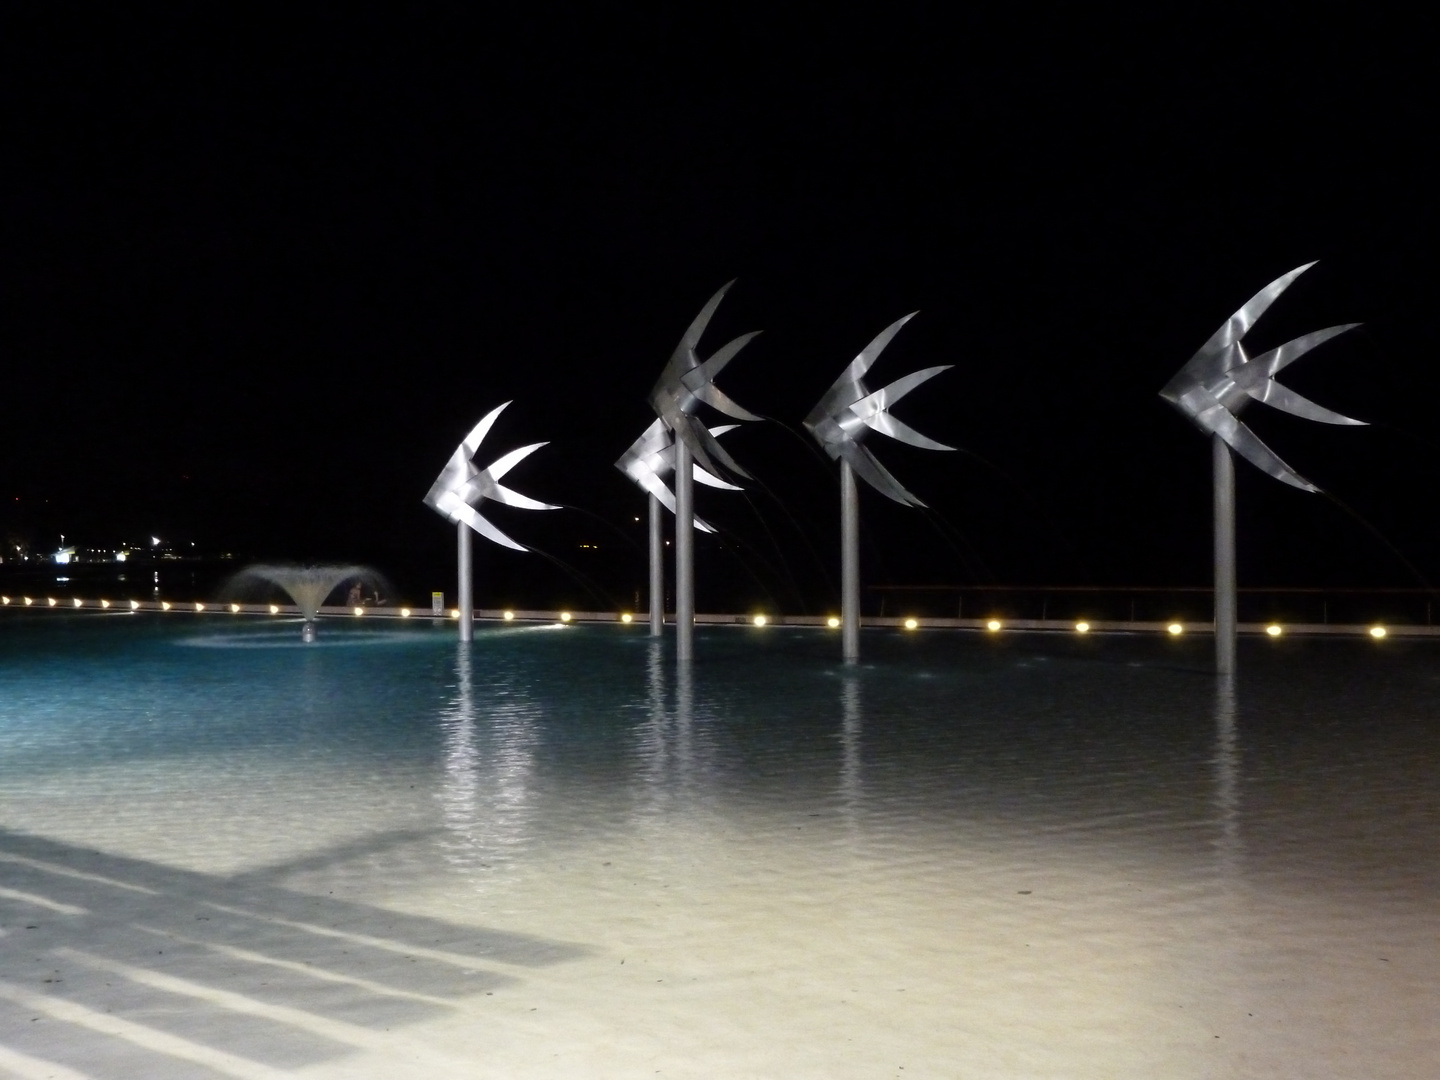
259, 275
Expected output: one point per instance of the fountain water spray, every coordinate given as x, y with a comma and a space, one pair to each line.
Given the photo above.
307, 586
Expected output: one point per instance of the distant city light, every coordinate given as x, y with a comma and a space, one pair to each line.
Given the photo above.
121, 556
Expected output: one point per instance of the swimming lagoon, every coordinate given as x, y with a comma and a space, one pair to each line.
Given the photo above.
552, 853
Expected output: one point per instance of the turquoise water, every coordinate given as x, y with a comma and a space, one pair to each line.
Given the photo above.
944, 725
770, 826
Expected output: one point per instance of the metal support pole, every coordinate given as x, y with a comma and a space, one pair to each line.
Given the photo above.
849, 564
1224, 467
684, 553
465, 602
657, 571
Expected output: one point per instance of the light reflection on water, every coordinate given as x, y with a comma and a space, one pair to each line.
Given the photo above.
488, 761
1097, 831
851, 729
290, 639
1227, 766
554, 736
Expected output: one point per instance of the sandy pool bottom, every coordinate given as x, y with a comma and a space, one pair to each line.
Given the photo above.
158, 941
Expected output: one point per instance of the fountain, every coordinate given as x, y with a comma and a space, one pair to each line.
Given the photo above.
838, 423
308, 586
458, 492
684, 384
649, 459
1211, 389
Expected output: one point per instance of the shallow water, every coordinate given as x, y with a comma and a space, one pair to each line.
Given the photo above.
223, 853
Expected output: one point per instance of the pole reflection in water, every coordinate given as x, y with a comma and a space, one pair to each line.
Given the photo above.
676, 770
851, 705
684, 724
1226, 763
654, 746
488, 761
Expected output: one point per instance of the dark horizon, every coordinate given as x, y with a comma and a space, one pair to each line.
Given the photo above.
255, 289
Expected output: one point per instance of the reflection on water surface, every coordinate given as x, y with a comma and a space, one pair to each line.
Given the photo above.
1022, 854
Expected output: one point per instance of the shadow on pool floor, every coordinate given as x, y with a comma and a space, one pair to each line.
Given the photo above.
139, 969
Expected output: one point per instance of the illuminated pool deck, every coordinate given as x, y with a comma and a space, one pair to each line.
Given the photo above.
226, 854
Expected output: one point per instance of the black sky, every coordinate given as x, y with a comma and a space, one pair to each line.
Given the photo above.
258, 276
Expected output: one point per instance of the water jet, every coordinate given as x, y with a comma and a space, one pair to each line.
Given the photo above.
307, 586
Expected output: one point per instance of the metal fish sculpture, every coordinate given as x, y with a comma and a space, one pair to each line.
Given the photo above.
686, 381
651, 458
849, 410
461, 487
1221, 379
1212, 389
839, 422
